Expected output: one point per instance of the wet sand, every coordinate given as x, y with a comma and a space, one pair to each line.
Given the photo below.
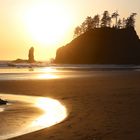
104, 106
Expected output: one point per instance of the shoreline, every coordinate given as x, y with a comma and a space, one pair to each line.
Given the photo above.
101, 107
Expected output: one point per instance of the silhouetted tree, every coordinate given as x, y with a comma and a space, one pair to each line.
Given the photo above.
106, 19
89, 23
124, 23
119, 24
130, 22
31, 55
78, 31
96, 21
115, 15
83, 27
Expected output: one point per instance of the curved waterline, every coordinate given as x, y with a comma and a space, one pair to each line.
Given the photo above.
25, 114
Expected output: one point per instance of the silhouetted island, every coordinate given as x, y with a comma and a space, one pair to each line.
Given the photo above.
102, 44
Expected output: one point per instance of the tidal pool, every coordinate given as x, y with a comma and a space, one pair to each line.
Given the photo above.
25, 114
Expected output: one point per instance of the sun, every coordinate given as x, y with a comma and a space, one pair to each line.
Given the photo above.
47, 24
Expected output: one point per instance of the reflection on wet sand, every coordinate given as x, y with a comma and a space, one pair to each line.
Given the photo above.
48, 73
54, 112
47, 76
25, 114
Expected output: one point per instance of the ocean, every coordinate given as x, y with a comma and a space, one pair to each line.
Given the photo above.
24, 71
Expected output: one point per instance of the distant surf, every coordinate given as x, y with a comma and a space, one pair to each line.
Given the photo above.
59, 71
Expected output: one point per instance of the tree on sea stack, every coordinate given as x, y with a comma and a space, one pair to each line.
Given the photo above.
92, 23
31, 55
106, 19
130, 22
115, 15
96, 21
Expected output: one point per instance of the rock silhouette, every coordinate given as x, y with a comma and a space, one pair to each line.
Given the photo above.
102, 46
29, 60
3, 102
31, 55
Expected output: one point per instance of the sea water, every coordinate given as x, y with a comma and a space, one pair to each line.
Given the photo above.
57, 71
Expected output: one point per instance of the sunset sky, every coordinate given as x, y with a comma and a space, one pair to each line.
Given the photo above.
49, 24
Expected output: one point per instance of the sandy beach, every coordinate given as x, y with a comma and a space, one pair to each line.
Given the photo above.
104, 106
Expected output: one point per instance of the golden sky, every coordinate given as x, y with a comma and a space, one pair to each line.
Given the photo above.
49, 24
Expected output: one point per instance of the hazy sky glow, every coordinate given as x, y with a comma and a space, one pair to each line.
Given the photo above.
49, 24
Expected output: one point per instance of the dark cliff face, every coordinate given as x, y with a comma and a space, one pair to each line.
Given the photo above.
102, 46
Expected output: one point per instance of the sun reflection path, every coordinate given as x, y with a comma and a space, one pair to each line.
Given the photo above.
47, 76
48, 73
54, 112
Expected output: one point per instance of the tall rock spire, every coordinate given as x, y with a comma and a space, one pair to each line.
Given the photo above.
31, 55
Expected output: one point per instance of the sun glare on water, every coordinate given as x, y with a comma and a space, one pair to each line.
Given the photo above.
47, 24
54, 112
48, 73
47, 76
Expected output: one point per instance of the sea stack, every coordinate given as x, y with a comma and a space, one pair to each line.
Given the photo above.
102, 46
31, 55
